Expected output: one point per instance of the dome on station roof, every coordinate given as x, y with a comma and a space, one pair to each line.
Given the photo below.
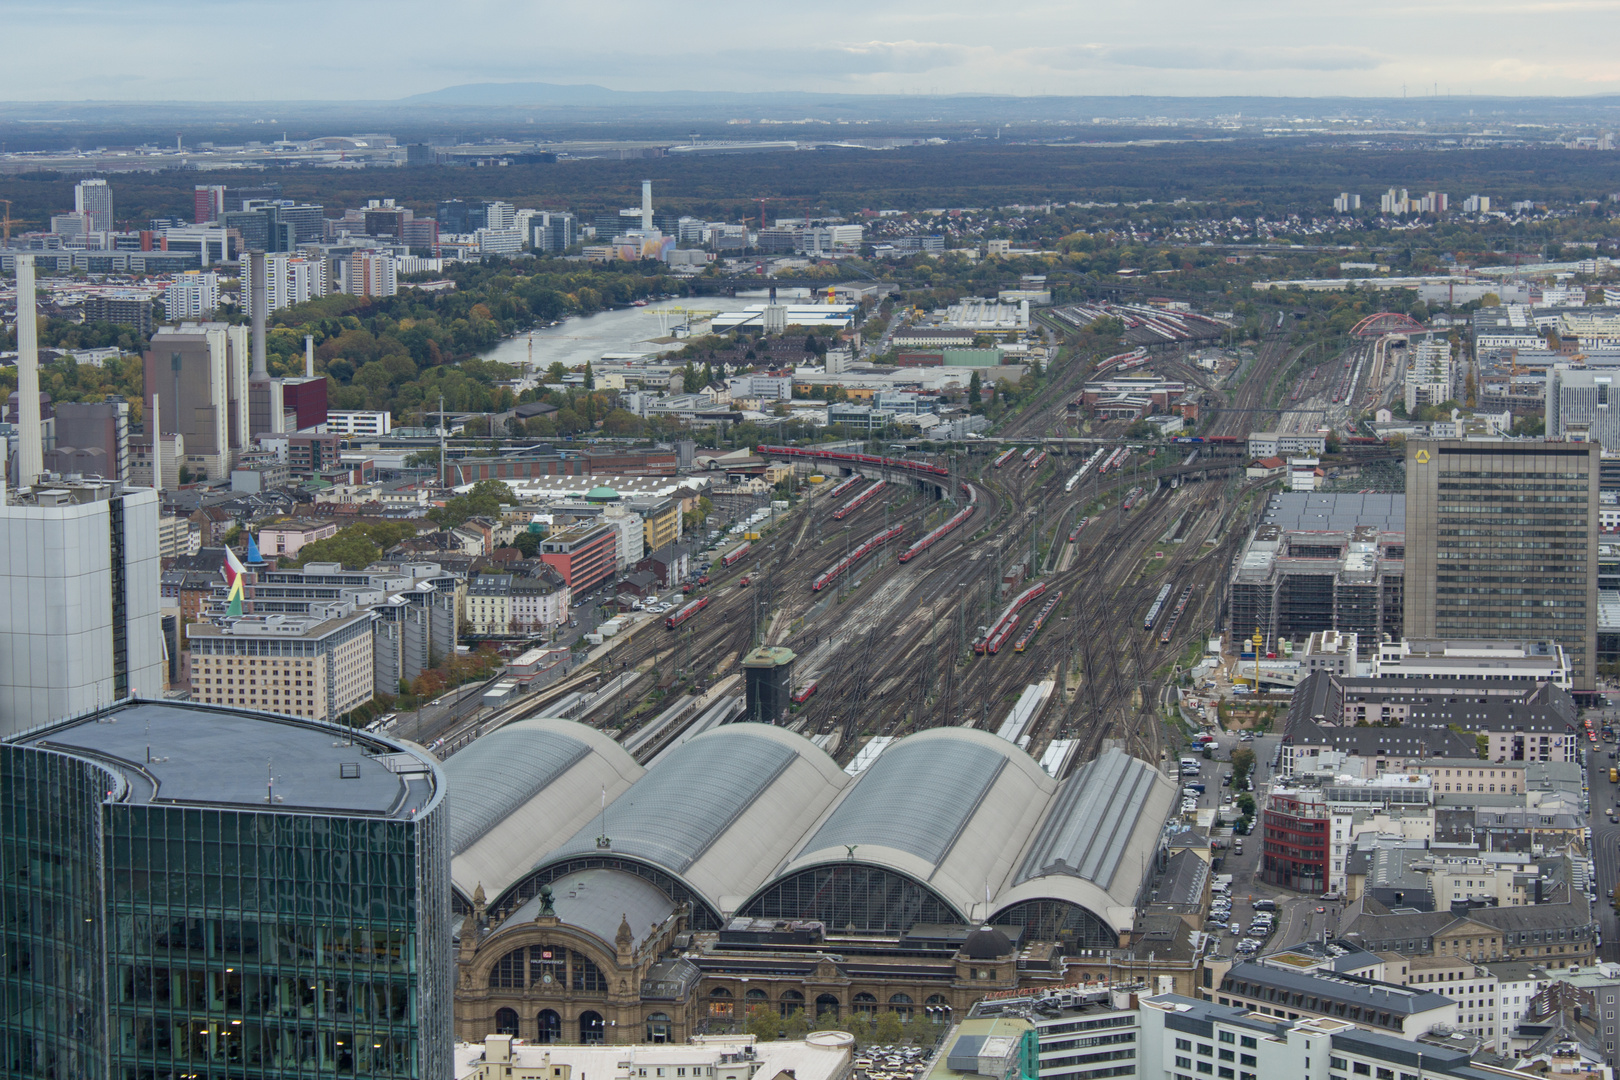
986, 943
602, 493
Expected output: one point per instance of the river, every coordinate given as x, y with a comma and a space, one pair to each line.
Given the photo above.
626, 331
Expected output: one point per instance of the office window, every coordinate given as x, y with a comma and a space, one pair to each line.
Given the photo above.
1183, 1063
1206, 1050
1227, 1036
1225, 1073
1248, 1042
1183, 1044
1227, 1055
1360, 1068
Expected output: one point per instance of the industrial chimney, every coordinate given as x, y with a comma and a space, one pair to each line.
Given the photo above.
30, 446
260, 300
646, 206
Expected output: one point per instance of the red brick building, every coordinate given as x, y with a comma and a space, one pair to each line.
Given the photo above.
585, 555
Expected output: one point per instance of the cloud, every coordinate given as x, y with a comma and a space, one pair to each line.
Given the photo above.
854, 60
1175, 57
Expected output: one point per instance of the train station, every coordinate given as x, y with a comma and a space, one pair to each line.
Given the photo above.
601, 901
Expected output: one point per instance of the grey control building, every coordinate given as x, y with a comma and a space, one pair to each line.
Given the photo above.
1502, 544
192, 891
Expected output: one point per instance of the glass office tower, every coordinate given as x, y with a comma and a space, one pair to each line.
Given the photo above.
194, 893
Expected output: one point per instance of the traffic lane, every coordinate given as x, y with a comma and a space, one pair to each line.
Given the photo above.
1605, 852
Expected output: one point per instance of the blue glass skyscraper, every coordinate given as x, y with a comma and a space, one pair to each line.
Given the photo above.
196, 892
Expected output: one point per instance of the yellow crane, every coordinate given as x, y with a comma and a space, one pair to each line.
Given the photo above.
8, 221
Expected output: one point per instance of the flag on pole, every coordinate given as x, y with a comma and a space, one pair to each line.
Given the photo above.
254, 558
234, 577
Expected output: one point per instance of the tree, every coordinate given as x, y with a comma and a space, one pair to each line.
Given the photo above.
763, 1023
528, 543
590, 377
485, 499
556, 373
975, 393
1242, 764
689, 379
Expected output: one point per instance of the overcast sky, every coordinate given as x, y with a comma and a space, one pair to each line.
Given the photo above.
225, 50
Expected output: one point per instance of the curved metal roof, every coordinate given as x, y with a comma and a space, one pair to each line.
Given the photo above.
1095, 843
721, 810
518, 789
947, 807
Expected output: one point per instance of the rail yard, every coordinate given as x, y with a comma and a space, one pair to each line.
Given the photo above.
919, 591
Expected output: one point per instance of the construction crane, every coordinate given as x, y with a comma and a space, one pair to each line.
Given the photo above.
8, 221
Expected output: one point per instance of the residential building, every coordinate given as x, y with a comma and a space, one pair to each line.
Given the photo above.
319, 666
314, 862
1428, 373
191, 295
1474, 575
585, 555
359, 422
176, 537
289, 537
82, 585
93, 199
288, 279
489, 604
371, 273
1556, 931
1396, 720
125, 307
538, 603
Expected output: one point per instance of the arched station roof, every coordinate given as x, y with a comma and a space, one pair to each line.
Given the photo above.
949, 808
720, 812
517, 790
1094, 845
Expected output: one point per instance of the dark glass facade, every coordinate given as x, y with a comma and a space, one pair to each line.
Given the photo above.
155, 942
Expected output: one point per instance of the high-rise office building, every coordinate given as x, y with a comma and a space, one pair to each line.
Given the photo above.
82, 579
208, 202
200, 372
93, 199
1501, 544
227, 894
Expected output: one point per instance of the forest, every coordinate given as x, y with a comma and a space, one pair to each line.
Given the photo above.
1244, 177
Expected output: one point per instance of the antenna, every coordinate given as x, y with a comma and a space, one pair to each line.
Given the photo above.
603, 841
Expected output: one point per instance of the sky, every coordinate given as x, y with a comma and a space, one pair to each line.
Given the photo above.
243, 50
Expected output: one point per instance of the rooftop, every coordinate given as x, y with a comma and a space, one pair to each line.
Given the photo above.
189, 755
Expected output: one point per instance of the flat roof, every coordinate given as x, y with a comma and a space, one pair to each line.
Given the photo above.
171, 753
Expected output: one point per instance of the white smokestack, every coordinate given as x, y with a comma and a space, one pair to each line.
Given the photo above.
156, 428
646, 206
309, 356
259, 297
30, 445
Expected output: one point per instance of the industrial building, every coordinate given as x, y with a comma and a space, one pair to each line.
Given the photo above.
1322, 562
228, 892
1128, 397
750, 839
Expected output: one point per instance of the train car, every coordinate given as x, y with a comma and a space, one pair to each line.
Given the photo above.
844, 486
1036, 623
1025, 455
735, 555
686, 612
1175, 615
1158, 606
1038, 460
999, 637
1133, 498
833, 572
1078, 526
1004, 457
950, 523
858, 501
804, 694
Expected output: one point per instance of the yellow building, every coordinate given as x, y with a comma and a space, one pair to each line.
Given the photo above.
662, 524
317, 666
